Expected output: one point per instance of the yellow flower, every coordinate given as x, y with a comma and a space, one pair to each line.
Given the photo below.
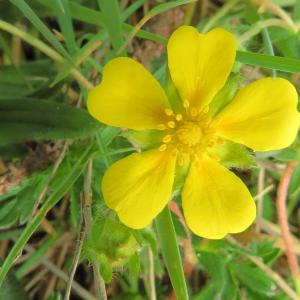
262, 116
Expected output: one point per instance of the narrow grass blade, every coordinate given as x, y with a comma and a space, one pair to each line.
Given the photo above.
40, 26
171, 254
113, 23
63, 13
284, 64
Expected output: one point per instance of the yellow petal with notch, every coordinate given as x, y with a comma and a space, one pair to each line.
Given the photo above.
128, 96
262, 116
139, 186
215, 201
200, 63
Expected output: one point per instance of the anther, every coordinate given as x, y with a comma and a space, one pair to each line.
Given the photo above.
186, 103
171, 124
178, 117
169, 112
205, 109
167, 138
162, 147
161, 127
194, 112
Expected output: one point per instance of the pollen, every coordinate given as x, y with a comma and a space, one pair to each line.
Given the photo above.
167, 138
178, 117
171, 124
186, 103
169, 112
161, 127
162, 147
189, 134
194, 112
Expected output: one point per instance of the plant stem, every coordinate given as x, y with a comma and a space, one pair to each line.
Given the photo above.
152, 290
88, 218
281, 198
171, 254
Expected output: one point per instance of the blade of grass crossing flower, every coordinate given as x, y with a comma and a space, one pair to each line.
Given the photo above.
171, 254
269, 45
62, 10
55, 196
113, 23
40, 26
284, 64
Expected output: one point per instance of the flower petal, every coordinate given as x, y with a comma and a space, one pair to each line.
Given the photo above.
139, 186
128, 96
216, 201
262, 116
200, 63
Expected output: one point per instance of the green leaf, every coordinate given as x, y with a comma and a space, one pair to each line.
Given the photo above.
22, 119
12, 289
287, 154
221, 284
26, 80
254, 279
171, 254
111, 243
167, 6
146, 139
224, 96
113, 22
40, 26
64, 185
63, 13
234, 155
284, 64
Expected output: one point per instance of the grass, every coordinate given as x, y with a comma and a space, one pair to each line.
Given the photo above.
53, 156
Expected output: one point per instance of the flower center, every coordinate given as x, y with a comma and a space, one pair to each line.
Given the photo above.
190, 134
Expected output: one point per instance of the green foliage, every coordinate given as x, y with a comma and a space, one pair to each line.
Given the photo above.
24, 119
111, 243
18, 207
13, 289
146, 139
229, 272
34, 105
234, 155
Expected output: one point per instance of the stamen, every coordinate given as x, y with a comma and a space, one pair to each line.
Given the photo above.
171, 124
205, 109
161, 127
178, 117
169, 112
162, 147
180, 160
167, 138
194, 112
186, 103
